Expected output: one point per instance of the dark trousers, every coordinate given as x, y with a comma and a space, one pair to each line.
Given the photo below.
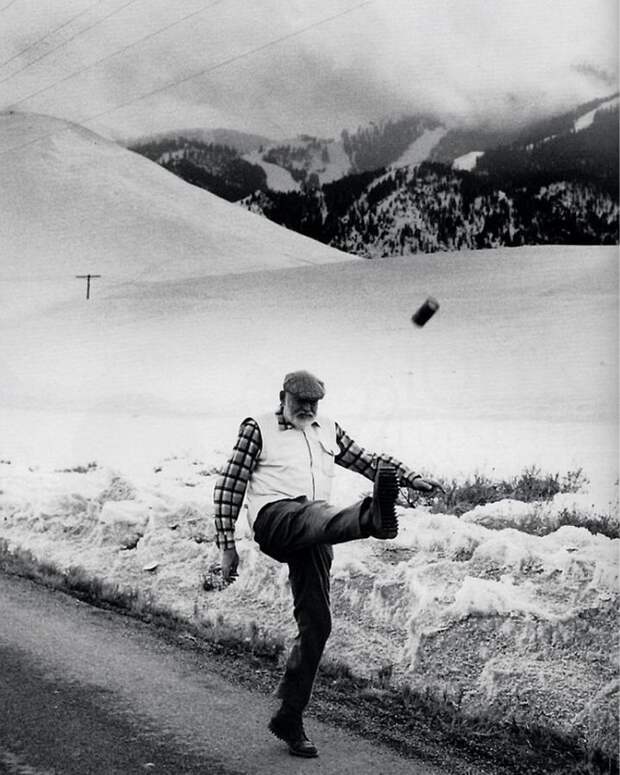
301, 532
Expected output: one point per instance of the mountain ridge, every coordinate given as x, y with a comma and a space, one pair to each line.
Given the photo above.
311, 161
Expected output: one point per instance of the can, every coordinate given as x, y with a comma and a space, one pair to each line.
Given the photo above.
422, 315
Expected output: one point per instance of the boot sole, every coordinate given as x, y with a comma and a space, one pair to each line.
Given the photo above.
386, 493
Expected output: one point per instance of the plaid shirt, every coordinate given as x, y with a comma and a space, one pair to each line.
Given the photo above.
231, 485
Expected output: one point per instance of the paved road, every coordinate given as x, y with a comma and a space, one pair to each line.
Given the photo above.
86, 691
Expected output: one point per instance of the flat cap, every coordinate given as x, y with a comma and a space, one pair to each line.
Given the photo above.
304, 385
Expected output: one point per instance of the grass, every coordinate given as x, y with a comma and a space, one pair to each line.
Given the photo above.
92, 466
530, 486
414, 723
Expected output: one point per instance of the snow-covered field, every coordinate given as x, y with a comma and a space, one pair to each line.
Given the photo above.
200, 310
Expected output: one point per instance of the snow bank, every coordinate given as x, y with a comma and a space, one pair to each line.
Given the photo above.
450, 604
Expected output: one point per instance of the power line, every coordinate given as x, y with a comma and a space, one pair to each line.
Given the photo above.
113, 54
8, 5
47, 34
60, 45
205, 71
230, 60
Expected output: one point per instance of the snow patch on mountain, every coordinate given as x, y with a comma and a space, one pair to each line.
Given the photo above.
467, 162
335, 167
307, 156
278, 179
420, 150
585, 121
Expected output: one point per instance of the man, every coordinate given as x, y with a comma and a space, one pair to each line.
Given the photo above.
283, 463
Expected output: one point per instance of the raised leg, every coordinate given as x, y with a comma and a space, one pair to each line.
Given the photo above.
289, 526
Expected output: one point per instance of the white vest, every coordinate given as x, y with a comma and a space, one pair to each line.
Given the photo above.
292, 462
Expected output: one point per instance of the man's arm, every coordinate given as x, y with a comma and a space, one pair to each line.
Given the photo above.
231, 485
356, 458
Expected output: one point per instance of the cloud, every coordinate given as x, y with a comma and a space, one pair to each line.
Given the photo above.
249, 68
597, 74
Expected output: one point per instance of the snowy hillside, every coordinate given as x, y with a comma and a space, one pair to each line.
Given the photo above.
421, 148
73, 203
587, 119
278, 178
302, 159
185, 319
467, 161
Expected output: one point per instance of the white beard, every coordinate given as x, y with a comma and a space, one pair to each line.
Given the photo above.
303, 422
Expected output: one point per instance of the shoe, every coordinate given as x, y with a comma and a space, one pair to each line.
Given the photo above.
383, 521
291, 731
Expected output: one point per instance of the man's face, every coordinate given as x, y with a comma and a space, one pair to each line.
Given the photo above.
299, 411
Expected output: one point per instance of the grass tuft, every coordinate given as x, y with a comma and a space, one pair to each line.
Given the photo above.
530, 486
92, 466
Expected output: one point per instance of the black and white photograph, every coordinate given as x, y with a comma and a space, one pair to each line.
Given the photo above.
309, 404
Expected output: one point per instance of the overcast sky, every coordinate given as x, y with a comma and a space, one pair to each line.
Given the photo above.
282, 67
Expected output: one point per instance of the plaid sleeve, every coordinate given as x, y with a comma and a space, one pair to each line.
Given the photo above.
231, 485
358, 459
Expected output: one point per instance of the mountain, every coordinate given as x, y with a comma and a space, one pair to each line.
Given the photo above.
233, 165
431, 207
552, 182
308, 162
459, 143
582, 145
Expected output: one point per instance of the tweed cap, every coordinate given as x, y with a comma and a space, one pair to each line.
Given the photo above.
304, 385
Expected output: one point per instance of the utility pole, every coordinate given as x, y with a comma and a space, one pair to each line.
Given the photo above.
87, 277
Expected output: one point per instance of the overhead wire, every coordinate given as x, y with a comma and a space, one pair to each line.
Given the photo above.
118, 52
8, 5
205, 71
64, 43
228, 61
48, 34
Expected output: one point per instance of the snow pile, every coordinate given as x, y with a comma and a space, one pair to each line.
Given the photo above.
449, 604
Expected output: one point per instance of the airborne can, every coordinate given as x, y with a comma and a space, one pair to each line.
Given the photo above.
422, 315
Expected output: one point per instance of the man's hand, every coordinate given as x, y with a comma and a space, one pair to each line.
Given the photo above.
230, 562
425, 485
